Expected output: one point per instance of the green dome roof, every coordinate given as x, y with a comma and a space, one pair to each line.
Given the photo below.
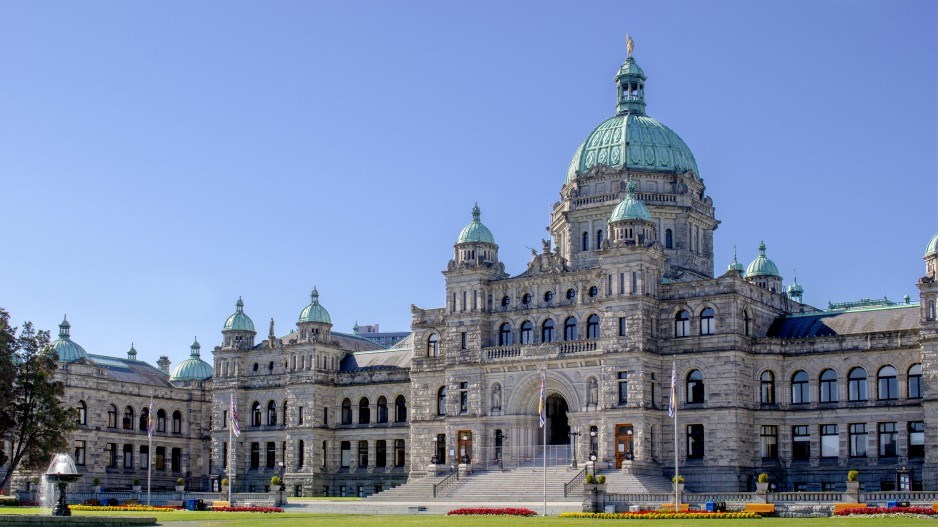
762, 266
630, 208
795, 288
193, 368
67, 350
238, 321
735, 265
475, 232
932, 246
314, 312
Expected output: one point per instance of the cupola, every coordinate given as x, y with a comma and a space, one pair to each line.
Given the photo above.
132, 352
630, 222
795, 291
314, 322
67, 350
735, 265
475, 244
192, 369
763, 272
238, 331
931, 257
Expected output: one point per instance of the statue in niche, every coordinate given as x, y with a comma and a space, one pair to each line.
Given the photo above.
497, 397
592, 392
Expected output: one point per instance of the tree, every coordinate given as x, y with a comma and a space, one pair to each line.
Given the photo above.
33, 420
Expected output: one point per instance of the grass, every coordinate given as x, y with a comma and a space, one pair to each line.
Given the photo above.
302, 519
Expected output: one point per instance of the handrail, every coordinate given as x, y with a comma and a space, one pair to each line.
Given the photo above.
576, 481
446, 482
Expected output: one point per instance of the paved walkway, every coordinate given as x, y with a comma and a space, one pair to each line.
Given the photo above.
421, 507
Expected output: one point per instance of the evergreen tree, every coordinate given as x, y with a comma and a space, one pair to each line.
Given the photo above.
34, 422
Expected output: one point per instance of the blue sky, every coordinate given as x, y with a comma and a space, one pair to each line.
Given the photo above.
158, 160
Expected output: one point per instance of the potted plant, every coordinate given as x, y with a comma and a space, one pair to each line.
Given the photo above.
762, 483
275, 483
678, 482
224, 485
180, 484
853, 481
96, 483
136, 486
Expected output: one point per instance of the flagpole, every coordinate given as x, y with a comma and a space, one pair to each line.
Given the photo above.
149, 447
230, 464
544, 427
677, 492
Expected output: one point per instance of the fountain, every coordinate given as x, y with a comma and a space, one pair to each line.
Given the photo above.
61, 472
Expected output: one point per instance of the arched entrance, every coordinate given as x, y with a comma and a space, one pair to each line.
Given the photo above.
558, 427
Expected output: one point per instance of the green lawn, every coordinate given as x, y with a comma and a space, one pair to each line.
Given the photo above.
299, 519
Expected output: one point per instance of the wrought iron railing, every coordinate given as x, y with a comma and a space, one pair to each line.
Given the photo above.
575, 484
445, 484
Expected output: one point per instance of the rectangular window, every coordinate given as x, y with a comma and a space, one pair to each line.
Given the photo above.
800, 442
381, 453
623, 387
462, 307
398, 452
80, 452
695, 441
916, 438
346, 453
622, 326
160, 421
634, 283
271, 454
128, 456
858, 439
144, 456
255, 455
110, 450
325, 416
363, 453
768, 442
160, 461
463, 341
830, 441
609, 285
224, 455
299, 415
224, 419
463, 397
888, 439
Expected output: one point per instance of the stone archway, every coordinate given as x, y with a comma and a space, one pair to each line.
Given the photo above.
558, 426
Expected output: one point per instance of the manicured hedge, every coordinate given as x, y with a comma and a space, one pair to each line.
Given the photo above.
867, 511
145, 508
662, 515
247, 509
488, 511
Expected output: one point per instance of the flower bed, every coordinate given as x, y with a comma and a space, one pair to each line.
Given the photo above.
663, 515
892, 511
247, 509
487, 511
144, 508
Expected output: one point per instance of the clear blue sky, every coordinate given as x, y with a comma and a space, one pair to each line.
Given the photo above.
157, 160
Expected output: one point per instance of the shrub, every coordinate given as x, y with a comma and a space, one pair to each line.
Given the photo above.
860, 511
853, 475
487, 511
275, 481
247, 509
180, 481
677, 479
590, 479
136, 483
763, 478
224, 482
661, 515
144, 508
600, 479
96, 482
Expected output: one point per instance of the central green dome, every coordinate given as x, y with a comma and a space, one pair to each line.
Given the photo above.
631, 139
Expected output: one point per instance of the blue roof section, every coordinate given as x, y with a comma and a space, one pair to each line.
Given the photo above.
846, 322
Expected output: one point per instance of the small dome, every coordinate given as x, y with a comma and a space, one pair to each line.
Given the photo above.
67, 350
762, 266
475, 232
314, 312
795, 288
238, 321
132, 352
193, 368
932, 246
630, 208
735, 265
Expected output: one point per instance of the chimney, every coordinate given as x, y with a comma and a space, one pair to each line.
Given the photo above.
163, 364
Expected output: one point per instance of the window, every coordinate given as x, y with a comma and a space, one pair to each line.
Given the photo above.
381, 453
526, 332
144, 417
800, 391
363, 453
682, 324
144, 456
592, 327
707, 326
463, 397
695, 387
382, 416
364, 412
768, 442
161, 420
622, 327
830, 441
160, 460
856, 385
463, 340
285, 414
441, 401
800, 442
915, 381
177, 422
400, 409
916, 438
526, 298
548, 296
887, 384
599, 239
80, 453
346, 453
569, 329
271, 413
325, 453
586, 241
256, 414
299, 415
592, 291
623, 387
128, 421
695, 441
931, 310
128, 456
433, 345
767, 388
325, 416
828, 386
301, 454
255, 455
82, 413
271, 457
858, 439
398, 452
746, 321
346, 411
571, 294
888, 439
547, 331
506, 301
112, 417
110, 451
668, 239
504, 334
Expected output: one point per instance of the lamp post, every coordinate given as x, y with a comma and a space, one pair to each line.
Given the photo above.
283, 485
434, 459
574, 435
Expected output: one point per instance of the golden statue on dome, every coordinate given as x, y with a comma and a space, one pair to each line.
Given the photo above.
629, 44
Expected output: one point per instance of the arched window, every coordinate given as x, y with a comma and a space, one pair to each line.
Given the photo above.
271, 413
400, 409
571, 294
828, 387
569, 329
548, 296
931, 310
128, 420
592, 291
682, 324
668, 239
506, 301
364, 411
256, 414
599, 238
856, 385
433, 345
382, 416
82, 413
695, 387
346, 411
161, 420
144, 417
800, 391
112, 417
526, 332
915, 381
547, 330
284, 414
504, 334
707, 327
592, 327
441, 401
746, 321
767, 388
887, 384
586, 241
526, 298
177, 422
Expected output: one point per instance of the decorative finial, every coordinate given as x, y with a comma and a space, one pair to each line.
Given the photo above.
629, 44
195, 347
476, 212
63, 327
239, 304
794, 276
314, 295
630, 187
762, 248
271, 334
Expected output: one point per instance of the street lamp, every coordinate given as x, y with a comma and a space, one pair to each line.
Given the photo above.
283, 485
574, 435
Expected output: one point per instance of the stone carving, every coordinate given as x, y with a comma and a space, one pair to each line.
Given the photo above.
497, 397
592, 392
